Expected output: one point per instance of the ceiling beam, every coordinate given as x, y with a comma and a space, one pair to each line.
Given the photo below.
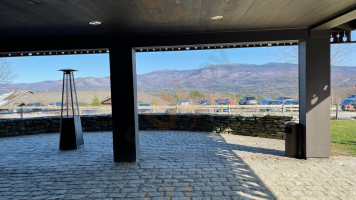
336, 20
51, 44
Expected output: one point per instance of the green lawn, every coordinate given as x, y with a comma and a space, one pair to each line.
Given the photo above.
343, 137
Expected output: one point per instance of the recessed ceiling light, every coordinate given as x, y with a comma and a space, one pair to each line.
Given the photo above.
95, 23
217, 17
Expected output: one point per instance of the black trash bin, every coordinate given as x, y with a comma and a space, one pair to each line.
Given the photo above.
292, 138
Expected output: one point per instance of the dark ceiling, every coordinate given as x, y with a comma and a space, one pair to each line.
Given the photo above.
28, 18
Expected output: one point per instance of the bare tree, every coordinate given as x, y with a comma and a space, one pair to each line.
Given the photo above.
7, 72
338, 53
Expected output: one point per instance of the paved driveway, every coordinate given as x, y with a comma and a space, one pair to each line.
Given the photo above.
173, 165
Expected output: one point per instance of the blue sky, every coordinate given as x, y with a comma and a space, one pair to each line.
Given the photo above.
42, 68
198, 59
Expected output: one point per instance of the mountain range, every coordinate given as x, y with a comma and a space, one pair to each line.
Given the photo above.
82, 84
269, 78
266, 79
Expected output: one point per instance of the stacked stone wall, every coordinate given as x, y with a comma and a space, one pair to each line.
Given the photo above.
260, 126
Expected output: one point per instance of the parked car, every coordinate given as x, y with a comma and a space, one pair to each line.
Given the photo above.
183, 102
226, 109
143, 110
171, 110
10, 111
55, 104
141, 103
36, 104
352, 96
204, 102
23, 110
348, 104
223, 100
291, 102
283, 99
251, 100
269, 101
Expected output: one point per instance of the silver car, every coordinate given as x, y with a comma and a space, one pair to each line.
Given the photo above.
251, 100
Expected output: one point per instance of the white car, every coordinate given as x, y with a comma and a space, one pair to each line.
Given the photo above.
183, 103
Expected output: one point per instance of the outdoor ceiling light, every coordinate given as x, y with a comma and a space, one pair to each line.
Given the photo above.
95, 23
217, 17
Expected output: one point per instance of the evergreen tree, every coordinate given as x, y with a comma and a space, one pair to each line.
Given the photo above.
259, 97
95, 101
154, 102
238, 97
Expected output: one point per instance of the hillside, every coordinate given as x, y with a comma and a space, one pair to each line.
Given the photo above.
82, 84
85, 98
266, 79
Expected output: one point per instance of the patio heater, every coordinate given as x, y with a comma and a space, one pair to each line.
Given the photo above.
71, 136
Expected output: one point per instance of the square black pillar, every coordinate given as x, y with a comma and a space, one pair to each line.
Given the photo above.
123, 100
314, 95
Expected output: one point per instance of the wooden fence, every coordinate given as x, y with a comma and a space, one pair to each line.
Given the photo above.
25, 112
226, 109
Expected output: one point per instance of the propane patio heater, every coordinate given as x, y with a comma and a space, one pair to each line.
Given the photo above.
71, 136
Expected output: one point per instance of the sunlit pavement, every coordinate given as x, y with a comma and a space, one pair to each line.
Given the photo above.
172, 165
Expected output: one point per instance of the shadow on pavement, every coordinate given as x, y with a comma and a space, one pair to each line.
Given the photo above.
173, 164
204, 162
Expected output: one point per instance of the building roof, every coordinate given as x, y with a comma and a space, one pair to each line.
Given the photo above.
107, 100
9, 97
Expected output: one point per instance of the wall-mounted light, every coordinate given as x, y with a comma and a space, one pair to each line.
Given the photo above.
95, 23
345, 37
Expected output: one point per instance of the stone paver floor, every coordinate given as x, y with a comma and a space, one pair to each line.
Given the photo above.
173, 165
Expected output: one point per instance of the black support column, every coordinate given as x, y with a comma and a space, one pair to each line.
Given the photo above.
124, 103
314, 95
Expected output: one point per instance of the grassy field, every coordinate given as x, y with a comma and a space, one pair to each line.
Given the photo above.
343, 137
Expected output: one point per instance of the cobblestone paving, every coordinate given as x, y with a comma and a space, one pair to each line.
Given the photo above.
173, 165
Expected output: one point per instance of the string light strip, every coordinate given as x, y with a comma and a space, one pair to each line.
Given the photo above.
53, 53
215, 47
335, 37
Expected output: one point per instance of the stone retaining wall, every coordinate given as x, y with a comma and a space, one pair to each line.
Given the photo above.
29, 126
261, 126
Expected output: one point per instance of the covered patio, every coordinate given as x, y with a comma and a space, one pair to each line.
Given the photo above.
172, 165
35, 27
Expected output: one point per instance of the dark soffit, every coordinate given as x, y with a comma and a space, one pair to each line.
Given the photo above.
37, 18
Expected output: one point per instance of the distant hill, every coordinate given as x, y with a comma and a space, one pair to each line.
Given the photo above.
82, 84
266, 79
269, 78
